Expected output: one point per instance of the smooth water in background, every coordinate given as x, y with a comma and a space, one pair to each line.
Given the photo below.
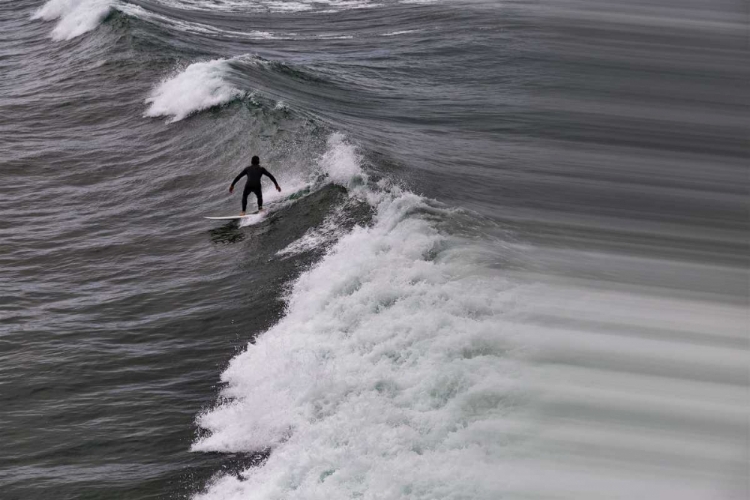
509, 260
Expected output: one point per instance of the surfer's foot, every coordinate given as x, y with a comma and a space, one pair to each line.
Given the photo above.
260, 210
242, 214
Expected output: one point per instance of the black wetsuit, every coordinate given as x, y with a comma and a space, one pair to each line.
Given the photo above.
254, 173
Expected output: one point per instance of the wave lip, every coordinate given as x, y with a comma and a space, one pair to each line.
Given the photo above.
75, 17
199, 86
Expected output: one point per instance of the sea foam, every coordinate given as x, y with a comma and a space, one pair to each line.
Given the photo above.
75, 17
388, 377
200, 86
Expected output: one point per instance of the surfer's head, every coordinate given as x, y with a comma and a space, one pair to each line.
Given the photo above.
255, 160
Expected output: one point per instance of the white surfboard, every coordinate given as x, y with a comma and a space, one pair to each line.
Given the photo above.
234, 217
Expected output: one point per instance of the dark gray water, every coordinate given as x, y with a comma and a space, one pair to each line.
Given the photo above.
509, 258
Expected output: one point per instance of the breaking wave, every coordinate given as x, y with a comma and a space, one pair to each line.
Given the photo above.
74, 17
199, 86
389, 370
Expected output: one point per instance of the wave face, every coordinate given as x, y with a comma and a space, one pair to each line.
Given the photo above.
508, 258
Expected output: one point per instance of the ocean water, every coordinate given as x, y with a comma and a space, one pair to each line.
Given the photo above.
509, 259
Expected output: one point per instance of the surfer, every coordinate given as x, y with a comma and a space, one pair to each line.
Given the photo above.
253, 173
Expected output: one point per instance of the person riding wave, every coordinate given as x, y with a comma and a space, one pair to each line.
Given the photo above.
254, 172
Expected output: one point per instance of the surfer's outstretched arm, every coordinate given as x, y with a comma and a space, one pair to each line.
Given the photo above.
231, 188
267, 173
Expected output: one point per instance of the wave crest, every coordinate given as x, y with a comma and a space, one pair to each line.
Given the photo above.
75, 17
200, 86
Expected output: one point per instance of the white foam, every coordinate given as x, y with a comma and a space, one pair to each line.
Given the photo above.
403, 32
75, 17
275, 200
341, 162
200, 86
335, 37
388, 375
253, 219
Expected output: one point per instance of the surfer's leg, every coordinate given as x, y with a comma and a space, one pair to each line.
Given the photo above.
259, 195
245, 193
